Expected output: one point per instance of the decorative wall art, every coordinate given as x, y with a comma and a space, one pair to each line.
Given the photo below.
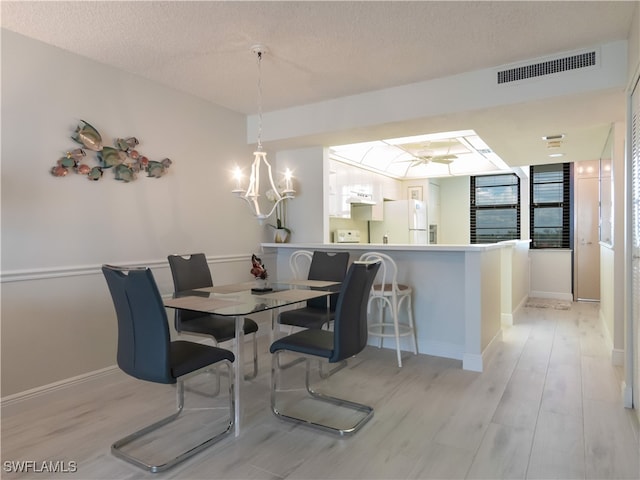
415, 193
123, 158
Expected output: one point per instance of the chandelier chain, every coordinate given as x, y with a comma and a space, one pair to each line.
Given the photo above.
259, 100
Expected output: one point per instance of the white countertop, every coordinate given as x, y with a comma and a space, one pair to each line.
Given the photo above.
389, 247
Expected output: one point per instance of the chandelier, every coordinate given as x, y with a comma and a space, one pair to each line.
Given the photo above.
252, 193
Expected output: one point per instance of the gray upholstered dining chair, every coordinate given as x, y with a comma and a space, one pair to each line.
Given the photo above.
348, 338
190, 272
329, 266
145, 351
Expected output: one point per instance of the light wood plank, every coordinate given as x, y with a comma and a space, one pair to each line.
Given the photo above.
504, 453
558, 448
432, 419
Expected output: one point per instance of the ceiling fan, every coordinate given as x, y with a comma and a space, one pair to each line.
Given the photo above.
424, 153
427, 159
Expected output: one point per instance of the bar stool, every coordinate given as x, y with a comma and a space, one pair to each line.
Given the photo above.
388, 293
300, 263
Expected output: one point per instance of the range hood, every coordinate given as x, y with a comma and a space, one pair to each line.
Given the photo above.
360, 198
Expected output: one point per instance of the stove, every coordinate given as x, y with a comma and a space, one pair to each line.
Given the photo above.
346, 236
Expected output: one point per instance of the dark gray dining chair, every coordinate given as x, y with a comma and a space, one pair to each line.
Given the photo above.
190, 272
328, 266
146, 352
348, 338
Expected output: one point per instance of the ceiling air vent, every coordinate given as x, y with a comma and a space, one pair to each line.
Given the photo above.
563, 64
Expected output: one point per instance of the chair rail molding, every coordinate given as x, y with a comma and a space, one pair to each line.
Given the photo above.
80, 270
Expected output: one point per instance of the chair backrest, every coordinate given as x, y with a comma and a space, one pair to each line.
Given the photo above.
300, 263
387, 277
350, 325
189, 272
329, 266
143, 331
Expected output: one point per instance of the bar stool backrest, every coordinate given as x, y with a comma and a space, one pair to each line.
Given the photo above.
386, 282
300, 263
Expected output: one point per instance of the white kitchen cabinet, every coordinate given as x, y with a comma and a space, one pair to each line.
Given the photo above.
346, 181
339, 190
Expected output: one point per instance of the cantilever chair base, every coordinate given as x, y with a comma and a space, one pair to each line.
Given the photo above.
321, 371
117, 447
365, 410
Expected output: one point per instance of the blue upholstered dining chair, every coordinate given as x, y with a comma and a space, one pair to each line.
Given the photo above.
146, 352
328, 266
190, 272
348, 338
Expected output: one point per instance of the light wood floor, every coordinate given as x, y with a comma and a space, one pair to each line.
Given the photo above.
547, 406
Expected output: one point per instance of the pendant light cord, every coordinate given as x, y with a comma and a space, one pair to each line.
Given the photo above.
259, 100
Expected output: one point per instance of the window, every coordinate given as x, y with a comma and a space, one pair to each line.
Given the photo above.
495, 208
551, 206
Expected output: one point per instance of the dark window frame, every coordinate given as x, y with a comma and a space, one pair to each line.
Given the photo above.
566, 204
475, 209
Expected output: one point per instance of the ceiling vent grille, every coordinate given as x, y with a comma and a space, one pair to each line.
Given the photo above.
572, 62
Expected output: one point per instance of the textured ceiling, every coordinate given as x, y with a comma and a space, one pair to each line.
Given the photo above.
317, 50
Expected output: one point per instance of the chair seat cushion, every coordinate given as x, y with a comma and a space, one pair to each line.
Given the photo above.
307, 317
221, 328
187, 357
318, 343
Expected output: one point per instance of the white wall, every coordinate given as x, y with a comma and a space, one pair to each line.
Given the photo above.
551, 274
515, 278
612, 256
304, 213
439, 97
454, 211
57, 319
607, 296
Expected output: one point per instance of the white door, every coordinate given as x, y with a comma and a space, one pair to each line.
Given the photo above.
587, 246
635, 248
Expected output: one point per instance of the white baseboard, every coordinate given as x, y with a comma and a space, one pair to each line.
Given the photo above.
476, 362
506, 320
441, 349
522, 303
437, 349
52, 387
627, 395
567, 297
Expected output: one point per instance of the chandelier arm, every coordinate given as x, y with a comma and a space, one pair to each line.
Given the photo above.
274, 207
251, 189
273, 185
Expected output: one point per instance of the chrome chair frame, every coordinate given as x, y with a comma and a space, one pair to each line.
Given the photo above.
348, 338
117, 446
367, 411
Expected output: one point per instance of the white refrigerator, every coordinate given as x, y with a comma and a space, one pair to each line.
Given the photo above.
405, 221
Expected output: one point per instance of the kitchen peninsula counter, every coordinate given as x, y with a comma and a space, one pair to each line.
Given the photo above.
462, 294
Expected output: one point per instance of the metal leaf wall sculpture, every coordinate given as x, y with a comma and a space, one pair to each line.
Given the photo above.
123, 157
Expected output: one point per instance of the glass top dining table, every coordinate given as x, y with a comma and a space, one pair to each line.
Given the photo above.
238, 301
